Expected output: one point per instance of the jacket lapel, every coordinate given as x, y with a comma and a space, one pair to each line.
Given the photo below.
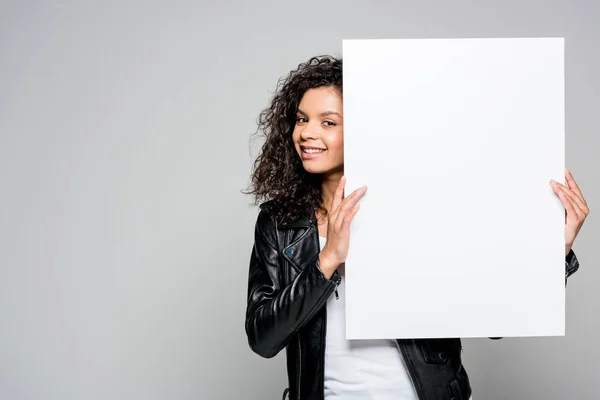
300, 248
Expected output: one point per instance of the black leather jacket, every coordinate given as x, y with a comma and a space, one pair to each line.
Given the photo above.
287, 293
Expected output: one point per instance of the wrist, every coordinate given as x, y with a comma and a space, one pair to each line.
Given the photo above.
326, 265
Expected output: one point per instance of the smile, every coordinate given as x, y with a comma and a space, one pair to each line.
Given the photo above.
311, 152
312, 149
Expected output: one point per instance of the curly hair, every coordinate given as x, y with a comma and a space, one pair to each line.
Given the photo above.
278, 176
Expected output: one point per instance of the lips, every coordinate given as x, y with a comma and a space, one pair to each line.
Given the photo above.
309, 152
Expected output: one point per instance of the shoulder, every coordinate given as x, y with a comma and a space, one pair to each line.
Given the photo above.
279, 214
266, 222
272, 210
268, 206
265, 229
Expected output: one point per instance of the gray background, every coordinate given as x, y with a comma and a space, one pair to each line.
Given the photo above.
124, 144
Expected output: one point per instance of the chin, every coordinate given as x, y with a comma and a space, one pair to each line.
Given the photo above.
311, 169
321, 169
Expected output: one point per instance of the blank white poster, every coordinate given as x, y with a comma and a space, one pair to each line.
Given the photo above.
460, 233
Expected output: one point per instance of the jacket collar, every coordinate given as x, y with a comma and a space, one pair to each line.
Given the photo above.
303, 222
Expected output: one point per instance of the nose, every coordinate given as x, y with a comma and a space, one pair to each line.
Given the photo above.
311, 131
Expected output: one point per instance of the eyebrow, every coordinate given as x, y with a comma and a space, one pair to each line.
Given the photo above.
323, 114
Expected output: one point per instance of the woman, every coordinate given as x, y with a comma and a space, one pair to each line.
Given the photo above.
296, 277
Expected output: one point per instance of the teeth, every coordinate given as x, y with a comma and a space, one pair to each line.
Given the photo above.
312, 151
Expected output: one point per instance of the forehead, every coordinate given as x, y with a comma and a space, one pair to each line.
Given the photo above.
321, 98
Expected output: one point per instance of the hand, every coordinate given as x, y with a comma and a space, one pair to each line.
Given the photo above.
341, 213
576, 209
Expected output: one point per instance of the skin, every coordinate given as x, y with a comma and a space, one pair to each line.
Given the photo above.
576, 208
320, 125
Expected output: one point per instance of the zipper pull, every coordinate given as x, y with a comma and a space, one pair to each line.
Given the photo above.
337, 296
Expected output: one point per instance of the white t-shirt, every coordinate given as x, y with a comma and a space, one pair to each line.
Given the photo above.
360, 369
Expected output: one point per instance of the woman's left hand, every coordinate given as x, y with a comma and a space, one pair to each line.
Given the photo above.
576, 209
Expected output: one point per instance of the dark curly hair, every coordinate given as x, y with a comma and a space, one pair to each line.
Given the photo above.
278, 175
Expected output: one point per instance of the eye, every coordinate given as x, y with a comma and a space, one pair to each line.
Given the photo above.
300, 120
329, 123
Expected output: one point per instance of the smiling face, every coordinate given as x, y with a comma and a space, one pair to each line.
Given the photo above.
319, 131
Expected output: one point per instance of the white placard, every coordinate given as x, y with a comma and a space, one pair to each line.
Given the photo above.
460, 233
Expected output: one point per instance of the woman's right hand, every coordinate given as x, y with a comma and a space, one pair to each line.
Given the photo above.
341, 213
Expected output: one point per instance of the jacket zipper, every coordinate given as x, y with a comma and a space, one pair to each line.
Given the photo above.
408, 370
288, 240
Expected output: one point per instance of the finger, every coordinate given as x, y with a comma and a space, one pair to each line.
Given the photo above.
356, 194
565, 196
581, 207
349, 202
350, 216
578, 211
339, 193
573, 185
567, 204
577, 202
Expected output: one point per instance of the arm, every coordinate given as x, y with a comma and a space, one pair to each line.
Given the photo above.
275, 313
571, 266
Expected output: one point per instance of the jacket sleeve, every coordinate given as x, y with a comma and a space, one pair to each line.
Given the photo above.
275, 313
571, 266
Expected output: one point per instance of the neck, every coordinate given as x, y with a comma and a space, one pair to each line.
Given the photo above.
328, 186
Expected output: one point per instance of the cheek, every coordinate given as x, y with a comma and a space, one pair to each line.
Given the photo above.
295, 138
336, 143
